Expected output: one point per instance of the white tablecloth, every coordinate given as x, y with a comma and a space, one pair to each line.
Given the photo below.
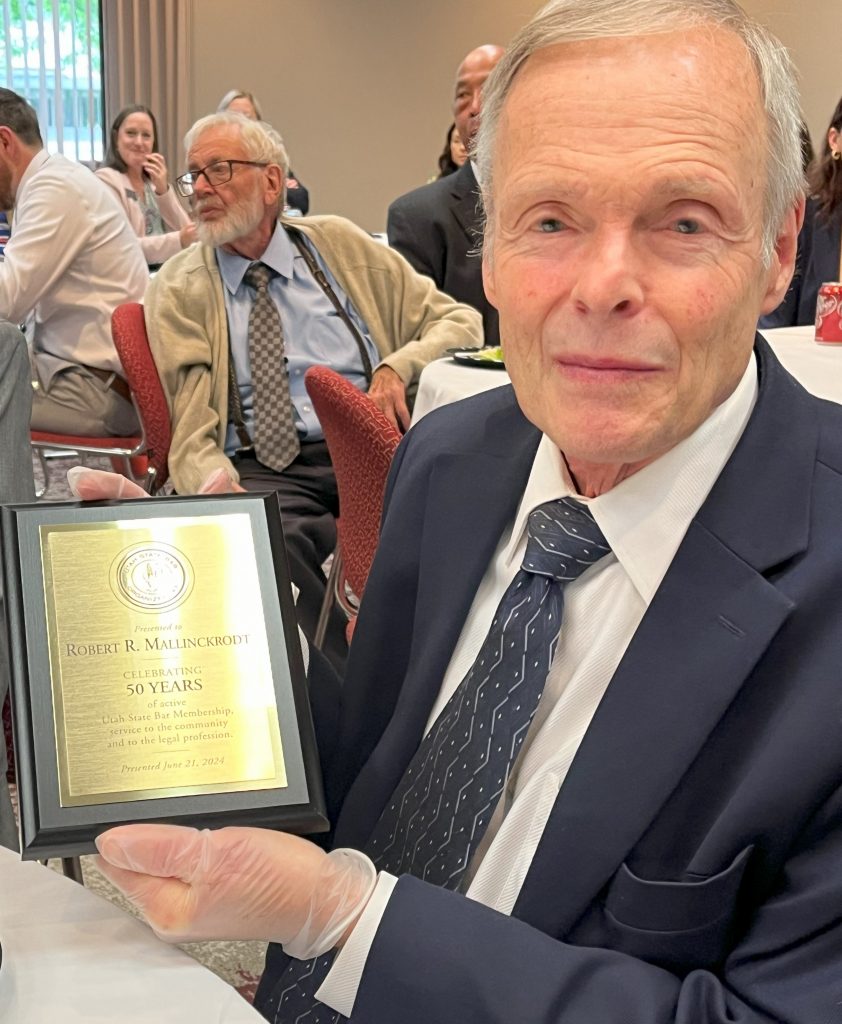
817, 367
71, 956
445, 381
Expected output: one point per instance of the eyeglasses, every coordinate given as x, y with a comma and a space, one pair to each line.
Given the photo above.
215, 174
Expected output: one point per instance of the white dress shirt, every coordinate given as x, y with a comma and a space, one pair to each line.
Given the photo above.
71, 260
644, 520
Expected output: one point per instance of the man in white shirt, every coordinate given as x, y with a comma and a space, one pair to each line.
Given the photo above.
71, 260
665, 844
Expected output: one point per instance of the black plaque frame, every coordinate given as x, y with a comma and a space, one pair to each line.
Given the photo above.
49, 830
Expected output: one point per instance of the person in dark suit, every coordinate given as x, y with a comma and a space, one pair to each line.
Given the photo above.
820, 241
665, 844
438, 227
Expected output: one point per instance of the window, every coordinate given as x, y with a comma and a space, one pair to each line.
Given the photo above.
50, 53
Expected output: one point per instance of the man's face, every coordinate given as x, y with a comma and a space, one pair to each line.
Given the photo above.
626, 239
470, 78
227, 212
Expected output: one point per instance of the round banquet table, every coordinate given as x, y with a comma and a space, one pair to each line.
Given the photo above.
71, 956
817, 367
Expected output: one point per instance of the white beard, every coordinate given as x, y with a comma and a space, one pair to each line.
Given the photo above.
239, 221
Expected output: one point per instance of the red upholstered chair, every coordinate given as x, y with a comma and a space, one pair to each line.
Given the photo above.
128, 328
361, 442
141, 458
127, 453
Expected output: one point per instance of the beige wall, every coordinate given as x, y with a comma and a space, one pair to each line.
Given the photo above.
812, 30
361, 89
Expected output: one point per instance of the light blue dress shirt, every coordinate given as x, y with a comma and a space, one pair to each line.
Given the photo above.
314, 333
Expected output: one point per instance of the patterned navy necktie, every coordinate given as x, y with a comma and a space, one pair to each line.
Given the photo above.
275, 437
441, 808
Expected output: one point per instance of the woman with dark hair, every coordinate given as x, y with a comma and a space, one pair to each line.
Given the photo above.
453, 155
820, 241
808, 154
137, 175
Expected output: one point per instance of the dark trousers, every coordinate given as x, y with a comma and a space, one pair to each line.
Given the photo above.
309, 507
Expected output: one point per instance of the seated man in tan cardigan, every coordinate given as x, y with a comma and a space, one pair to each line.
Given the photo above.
235, 321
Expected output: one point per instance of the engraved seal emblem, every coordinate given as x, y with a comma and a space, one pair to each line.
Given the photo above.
152, 577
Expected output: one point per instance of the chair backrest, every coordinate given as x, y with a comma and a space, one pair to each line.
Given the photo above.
361, 442
128, 329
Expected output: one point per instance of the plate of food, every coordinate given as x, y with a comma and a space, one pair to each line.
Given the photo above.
490, 357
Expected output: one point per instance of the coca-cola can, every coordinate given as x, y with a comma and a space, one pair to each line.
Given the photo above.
829, 314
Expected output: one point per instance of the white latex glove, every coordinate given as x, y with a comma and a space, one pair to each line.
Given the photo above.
238, 883
99, 485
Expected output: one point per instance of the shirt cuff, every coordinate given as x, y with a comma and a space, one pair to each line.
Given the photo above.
339, 989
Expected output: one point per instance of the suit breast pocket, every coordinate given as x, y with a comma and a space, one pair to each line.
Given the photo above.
681, 926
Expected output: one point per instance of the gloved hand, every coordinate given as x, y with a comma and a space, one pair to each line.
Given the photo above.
99, 485
238, 883
219, 482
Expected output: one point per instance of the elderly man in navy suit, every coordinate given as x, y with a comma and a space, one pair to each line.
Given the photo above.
438, 227
587, 767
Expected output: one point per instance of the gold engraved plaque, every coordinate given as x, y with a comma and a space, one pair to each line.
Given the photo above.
160, 667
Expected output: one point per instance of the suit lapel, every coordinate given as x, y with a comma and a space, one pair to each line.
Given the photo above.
712, 619
466, 204
710, 622
489, 483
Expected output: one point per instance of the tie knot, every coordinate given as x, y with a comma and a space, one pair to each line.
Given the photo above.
258, 275
562, 540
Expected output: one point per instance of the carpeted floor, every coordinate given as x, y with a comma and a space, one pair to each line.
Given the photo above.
239, 963
54, 486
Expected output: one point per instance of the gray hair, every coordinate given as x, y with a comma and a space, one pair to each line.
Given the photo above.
571, 21
19, 115
239, 94
263, 144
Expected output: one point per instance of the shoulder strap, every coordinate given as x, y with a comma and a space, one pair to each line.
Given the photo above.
303, 247
235, 403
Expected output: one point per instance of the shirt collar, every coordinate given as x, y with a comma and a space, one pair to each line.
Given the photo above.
645, 517
279, 255
35, 164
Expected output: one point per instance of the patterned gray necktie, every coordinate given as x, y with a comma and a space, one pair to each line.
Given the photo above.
441, 808
275, 438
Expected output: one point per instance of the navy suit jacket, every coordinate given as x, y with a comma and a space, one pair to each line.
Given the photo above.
691, 868
819, 245
438, 228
